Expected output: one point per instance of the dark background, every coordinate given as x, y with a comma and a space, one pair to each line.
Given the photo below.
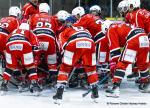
70, 4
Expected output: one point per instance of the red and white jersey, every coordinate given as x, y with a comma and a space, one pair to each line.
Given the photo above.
45, 26
139, 18
3, 39
116, 35
120, 35
79, 50
28, 10
73, 34
60, 26
102, 49
9, 24
90, 22
20, 35
42, 23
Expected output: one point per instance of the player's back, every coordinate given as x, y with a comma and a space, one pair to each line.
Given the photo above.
44, 21
91, 23
29, 9
139, 18
9, 23
119, 32
20, 34
72, 33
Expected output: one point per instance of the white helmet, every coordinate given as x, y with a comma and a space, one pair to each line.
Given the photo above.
62, 15
44, 7
14, 11
78, 11
24, 26
123, 6
95, 8
132, 4
105, 25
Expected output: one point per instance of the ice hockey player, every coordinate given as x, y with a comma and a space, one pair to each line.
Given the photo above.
123, 10
7, 25
92, 22
88, 21
78, 46
138, 17
61, 16
20, 46
136, 46
45, 26
30, 8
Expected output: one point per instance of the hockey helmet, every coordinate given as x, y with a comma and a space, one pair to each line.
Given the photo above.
105, 25
123, 7
62, 15
96, 9
44, 7
14, 11
132, 4
78, 11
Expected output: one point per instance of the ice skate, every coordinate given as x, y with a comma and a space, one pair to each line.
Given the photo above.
4, 87
59, 94
35, 88
144, 86
23, 87
114, 91
94, 94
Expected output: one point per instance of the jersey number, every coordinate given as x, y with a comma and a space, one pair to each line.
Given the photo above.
78, 28
4, 25
42, 24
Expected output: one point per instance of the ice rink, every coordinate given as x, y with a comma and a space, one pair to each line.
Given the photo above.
130, 97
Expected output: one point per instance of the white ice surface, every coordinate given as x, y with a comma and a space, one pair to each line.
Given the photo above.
72, 98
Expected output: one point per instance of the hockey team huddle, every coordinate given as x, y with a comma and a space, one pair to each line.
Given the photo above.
38, 48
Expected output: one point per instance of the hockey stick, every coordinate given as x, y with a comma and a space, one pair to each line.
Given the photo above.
43, 70
48, 72
72, 72
99, 83
11, 82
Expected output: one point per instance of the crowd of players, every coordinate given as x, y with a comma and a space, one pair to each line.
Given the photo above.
41, 46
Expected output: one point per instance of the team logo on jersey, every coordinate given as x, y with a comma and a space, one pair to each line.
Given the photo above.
83, 44
16, 47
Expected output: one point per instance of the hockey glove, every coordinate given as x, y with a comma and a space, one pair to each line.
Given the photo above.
113, 66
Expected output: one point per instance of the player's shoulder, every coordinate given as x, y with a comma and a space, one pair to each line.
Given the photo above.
68, 29
143, 11
8, 18
55, 17
4, 18
35, 16
88, 16
27, 5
